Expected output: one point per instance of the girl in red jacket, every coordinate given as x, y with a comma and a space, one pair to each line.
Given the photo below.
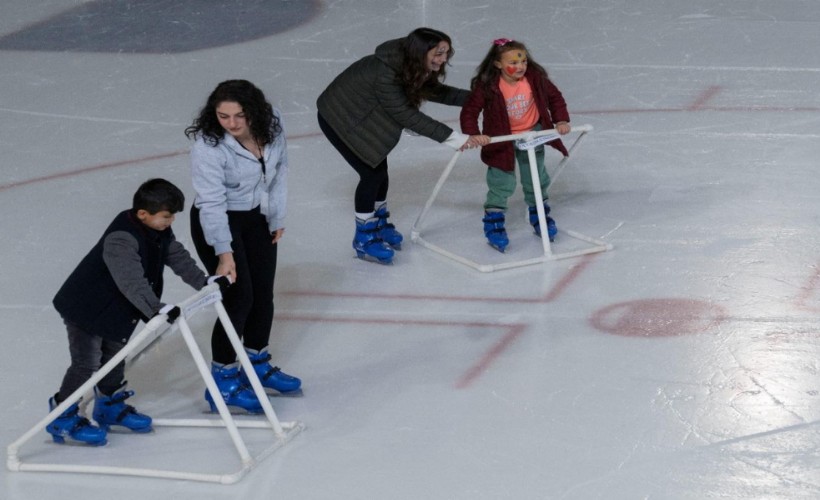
515, 95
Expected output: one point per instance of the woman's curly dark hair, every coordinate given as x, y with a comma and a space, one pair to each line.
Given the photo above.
417, 82
258, 112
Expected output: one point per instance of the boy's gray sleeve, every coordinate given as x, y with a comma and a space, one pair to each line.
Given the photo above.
184, 266
121, 256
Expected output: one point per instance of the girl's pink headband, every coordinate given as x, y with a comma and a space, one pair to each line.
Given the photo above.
502, 41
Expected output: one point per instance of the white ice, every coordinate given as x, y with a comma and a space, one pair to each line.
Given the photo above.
684, 363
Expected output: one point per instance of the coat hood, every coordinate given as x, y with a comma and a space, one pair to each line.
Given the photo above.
391, 53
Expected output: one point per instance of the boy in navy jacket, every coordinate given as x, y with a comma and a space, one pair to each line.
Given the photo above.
117, 284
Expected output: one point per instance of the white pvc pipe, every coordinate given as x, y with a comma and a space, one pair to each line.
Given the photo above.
539, 133
415, 230
547, 248
249, 370
138, 472
210, 383
209, 422
539, 203
207, 296
563, 163
13, 461
436, 189
455, 257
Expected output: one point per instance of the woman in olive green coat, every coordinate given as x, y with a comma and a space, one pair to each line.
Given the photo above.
364, 110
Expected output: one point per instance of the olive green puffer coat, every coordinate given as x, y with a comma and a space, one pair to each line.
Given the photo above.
368, 108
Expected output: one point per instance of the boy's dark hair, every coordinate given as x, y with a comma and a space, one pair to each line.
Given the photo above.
156, 195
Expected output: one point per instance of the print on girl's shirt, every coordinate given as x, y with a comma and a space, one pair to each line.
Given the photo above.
520, 104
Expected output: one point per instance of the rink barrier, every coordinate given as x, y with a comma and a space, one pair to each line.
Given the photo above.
282, 432
594, 245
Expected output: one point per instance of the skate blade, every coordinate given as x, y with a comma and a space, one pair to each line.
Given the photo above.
370, 258
290, 394
499, 248
236, 411
119, 429
73, 442
551, 238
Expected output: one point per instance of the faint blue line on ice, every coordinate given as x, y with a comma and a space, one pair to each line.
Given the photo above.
88, 118
751, 135
776, 69
473, 64
98, 119
37, 307
758, 435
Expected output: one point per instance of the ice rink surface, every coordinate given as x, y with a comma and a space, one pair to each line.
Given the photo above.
682, 364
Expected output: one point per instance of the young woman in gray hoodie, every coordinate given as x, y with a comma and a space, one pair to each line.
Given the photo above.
239, 167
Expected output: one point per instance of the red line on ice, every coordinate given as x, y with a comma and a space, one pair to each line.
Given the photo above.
514, 330
704, 97
114, 164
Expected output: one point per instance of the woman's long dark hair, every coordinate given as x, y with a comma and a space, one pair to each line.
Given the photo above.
487, 74
258, 112
417, 82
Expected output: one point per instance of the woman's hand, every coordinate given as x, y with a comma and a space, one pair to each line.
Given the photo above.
277, 235
226, 266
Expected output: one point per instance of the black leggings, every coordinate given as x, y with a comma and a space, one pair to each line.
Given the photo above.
249, 301
373, 182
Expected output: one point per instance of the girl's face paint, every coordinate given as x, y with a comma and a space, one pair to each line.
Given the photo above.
513, 65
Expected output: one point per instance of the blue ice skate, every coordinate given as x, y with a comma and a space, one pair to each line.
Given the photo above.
552, 229
368, 243
112, 410
494, 230
71, 425
271, 376
387, 231
233, 391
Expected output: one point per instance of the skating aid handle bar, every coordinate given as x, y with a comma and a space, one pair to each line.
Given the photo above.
532, 135
416, 230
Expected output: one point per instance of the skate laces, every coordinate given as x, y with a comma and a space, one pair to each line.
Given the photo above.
125, 412
72, 411
273, 370
262, 359
382, 216
494, 223
79, 423
118, 398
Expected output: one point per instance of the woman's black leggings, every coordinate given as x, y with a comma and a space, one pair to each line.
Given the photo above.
373, 182
249, 301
